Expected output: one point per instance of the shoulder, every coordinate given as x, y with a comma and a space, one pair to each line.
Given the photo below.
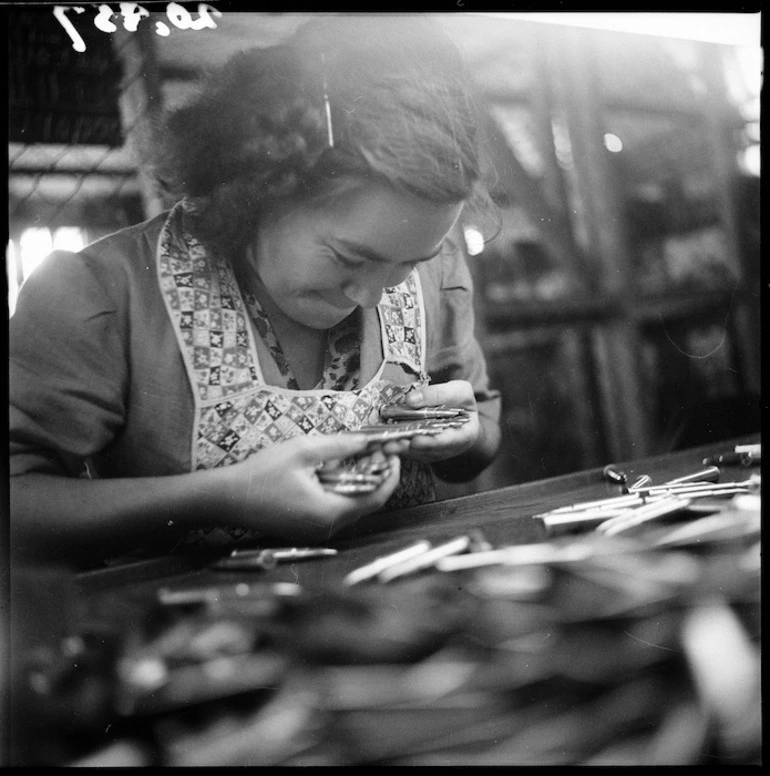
129, 245
448, 270
94, 279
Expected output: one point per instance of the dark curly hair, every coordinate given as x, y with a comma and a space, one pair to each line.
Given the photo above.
402, 110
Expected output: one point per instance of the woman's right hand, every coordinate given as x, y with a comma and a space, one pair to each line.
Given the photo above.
277, 490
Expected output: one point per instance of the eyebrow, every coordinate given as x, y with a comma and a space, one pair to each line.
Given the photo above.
368, 253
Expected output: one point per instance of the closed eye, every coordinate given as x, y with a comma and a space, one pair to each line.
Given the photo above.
366, 254
346, 261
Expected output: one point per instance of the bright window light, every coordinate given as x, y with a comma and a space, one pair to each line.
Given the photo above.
750, 160
35, 244
613, 143
69, 238
13, 281
474, 240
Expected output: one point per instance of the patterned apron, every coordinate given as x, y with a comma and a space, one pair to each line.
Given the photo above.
236, 412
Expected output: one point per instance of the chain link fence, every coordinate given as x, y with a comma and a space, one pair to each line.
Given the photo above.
74, 126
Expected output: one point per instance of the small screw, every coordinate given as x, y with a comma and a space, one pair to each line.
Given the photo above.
613, 474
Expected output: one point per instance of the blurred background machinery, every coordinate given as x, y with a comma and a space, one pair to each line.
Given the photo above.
618, 304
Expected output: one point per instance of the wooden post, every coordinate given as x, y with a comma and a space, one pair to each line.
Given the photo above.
140, 101
597, 197
720, 117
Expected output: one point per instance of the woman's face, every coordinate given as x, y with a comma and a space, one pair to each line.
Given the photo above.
318, 263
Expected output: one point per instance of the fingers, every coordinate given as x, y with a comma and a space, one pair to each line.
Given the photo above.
448, 444
395, 447
456, 393
320, 448
363, 503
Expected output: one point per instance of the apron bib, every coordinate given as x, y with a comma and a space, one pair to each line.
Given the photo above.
236, 413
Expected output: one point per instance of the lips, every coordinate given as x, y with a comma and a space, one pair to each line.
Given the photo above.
343, 305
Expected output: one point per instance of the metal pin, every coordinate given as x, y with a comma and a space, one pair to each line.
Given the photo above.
242, 559
351, 488
518, 555
209, 595
568, 521
709, 474
371, 570
342, 475
613, 474
635, 517
386, 433
719, 527
425, 560
402, 412
602, 503
730, 459
282, 553
184, 597
696, 488
645, 479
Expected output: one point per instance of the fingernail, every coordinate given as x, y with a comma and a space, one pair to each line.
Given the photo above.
414, 398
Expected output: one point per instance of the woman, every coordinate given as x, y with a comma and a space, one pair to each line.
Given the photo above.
182, 381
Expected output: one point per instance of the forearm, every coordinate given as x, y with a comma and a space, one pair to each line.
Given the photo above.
64, 518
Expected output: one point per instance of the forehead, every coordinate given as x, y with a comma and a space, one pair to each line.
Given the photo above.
392, 224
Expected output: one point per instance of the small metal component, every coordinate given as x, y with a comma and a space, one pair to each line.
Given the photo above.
569, 522
700, 488
643, 480
388, 432
478, 541
731, 459
613, 502
350, 477
402, 412
755, 450
283, 554
343, 488
269, 558
640, 515
709, 474
722, 527
519, 555
223, 594
371, 570
425, 560
613, 474
355, 476
255, 562
367, 472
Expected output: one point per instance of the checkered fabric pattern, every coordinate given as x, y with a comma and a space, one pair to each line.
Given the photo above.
238, 415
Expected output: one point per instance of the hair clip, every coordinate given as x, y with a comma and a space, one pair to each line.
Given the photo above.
327, 106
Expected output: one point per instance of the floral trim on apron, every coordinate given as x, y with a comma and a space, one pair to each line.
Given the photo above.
236, 413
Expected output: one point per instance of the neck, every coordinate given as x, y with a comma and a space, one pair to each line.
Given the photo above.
304, 348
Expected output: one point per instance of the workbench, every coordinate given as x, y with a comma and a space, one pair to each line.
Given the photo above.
621, 650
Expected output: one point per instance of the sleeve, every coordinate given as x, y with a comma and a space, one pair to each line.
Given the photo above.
68, 368
454, 352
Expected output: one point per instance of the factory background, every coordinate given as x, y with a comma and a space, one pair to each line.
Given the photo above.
619, 304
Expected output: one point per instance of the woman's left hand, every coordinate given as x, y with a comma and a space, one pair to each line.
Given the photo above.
452, 441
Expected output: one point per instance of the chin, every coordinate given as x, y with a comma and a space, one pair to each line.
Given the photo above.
331, 317
321, 314
325, 321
